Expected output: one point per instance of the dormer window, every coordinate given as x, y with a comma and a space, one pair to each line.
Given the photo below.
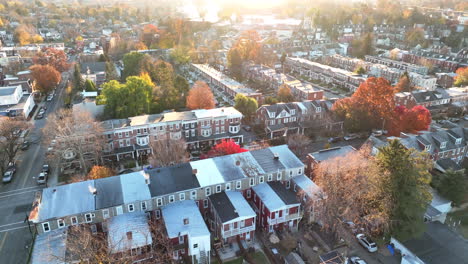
427, 148
443, 144
458, 141
319, 109
293, 112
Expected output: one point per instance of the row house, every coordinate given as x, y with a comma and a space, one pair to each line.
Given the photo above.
200, 128
283, 119
300, 90
232, 217
458, 96
323, 73
187, 231
401, 65
276, 206
445, 79
163, 193
224, 86
379, 70
439, 144
441, 62
424, 81
310, 195
432, 100
346, 63
301, 44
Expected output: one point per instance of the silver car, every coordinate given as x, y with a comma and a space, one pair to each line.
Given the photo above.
42, 178
8, 176
370, 245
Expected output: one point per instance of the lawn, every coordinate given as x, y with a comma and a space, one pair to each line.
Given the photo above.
235, 261
457, 216
258, 257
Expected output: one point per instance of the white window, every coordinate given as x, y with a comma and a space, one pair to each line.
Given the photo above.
205, 203
74, 220
443, 144
143, 206
242, 223
177, 126
193, 132
127, 134
293, 111
299, 172
131, 208
193, 195
252, 181
222, 129
105, 213
290, 173
171, 198
288, 184
121, 143
187, 134
181, 196
270, 177
127, 141
208, 191
159, 202
278, 177
222, 121
120, 134
88, 218
217, 130
60, 223
249, 193
218, 188
261, 179
46, 227
238, 184
181, 239
195, 245
228, 186
158, 214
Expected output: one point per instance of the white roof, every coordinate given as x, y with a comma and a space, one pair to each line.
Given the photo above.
269, 197
288, 160
134, 187
120, 225
65, 200
50, 247
207, 172
241, 205
208, 113
308, 186
174, 215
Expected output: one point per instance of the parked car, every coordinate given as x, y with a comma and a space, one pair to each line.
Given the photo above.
377, 133
356, 260
465, 118
8, 176
367, 243
50, 97
334, 139
45, 168
350, 137
42, 178
25, 145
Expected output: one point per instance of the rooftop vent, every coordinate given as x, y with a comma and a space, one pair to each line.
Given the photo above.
238, 162
275, 156
92, 190
186, 221
147, 178
129, 235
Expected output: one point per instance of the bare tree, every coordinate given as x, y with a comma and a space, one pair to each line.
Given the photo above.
75, 140
10, 139
348, 184
298, 144
167, 152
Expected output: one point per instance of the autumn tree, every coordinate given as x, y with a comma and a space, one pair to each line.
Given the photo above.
200, 97
150, 35
46, 77
404, 181
26, 34
225, 147
180, 55
461, 79
409, 120
363, 46
247, 47
369, 107
404, 84
284, 94
168, 152
10, 139
53, 57
414, 37
246, 105
76, 139
99, 172
299, 144
140, 46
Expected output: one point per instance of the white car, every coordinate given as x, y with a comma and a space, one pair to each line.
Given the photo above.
356, 260
370, 245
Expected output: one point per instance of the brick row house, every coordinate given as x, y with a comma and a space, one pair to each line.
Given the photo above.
439, 144
442, 62
301, 90
323, 73
131, 138
401, 65
432, 100
283, 119
222, 85
189, 198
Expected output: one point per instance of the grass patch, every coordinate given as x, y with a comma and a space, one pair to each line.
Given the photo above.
260, 258
458, 216
235, 261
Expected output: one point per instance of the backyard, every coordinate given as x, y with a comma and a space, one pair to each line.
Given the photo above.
460, 216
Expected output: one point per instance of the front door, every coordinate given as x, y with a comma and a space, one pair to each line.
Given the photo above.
247, 236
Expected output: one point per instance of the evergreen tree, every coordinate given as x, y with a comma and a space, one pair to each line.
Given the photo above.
451, 185
111, 72
90, 86
235, 63
78, 81
405, 181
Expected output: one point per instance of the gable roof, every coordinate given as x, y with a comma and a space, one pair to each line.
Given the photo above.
174, 215
230, 205
275, 196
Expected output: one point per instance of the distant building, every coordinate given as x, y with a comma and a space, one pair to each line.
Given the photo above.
94, 71
13, 101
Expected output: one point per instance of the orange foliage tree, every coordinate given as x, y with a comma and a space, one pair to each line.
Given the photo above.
200, 96
53, 57
462, 77
369, 107
46, 77
99, 172
150, 34
410, 120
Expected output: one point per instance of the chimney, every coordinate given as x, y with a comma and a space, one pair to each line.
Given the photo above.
186, 221
237, 162
194, 171
129, 235
147, 178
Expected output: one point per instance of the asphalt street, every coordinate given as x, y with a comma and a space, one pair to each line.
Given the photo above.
17, 196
